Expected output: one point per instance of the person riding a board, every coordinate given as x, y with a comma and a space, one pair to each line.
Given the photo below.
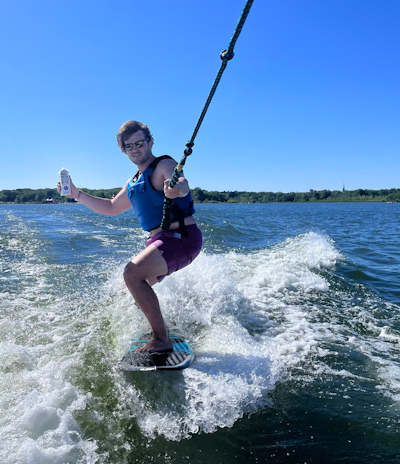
165, 251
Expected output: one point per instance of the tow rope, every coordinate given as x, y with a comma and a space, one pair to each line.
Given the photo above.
226, 56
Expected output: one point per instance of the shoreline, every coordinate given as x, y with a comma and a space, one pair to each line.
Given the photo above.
223, 202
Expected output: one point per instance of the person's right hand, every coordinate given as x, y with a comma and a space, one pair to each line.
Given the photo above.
74, 190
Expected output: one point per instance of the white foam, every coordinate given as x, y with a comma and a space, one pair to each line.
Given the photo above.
226, 305
14, 358
37, 401
250, 317
37, 424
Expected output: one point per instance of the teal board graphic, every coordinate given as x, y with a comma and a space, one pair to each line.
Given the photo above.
180, 357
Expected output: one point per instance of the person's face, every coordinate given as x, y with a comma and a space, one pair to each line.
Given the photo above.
138, 148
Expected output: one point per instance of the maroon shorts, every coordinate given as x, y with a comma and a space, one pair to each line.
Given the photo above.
178, 251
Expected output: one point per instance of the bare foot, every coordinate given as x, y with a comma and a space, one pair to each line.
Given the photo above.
155, 345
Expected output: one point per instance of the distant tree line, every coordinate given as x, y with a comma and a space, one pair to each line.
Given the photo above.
203, 196
26, 195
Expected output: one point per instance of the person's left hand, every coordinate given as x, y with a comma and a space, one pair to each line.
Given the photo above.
173, 192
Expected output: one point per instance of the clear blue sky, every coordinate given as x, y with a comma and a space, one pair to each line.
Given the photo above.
311, 99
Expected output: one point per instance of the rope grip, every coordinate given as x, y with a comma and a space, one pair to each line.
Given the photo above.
177, 173
226, 55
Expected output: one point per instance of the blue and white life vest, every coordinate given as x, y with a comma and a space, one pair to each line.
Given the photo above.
148, 202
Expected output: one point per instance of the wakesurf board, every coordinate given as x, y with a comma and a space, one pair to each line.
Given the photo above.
180, 357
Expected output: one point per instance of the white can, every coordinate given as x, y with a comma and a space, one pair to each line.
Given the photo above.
63, 176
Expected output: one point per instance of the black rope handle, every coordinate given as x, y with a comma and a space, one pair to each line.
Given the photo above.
226, 56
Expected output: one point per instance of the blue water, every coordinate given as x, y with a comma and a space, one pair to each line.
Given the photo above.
292, 309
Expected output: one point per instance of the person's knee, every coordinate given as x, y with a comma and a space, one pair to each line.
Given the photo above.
130, 274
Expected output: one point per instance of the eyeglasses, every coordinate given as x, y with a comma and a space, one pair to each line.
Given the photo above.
138, 144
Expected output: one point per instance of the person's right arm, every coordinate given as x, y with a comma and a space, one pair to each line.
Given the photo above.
112, 207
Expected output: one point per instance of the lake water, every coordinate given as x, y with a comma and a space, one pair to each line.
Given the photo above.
293, 311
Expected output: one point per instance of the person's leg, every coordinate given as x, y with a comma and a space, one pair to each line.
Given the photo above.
139, 275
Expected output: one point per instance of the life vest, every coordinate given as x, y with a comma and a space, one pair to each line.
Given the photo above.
148, 203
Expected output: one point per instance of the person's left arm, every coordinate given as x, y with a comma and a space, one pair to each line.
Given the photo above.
162, 176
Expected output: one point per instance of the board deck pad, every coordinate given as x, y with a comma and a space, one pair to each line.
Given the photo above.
180, 357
